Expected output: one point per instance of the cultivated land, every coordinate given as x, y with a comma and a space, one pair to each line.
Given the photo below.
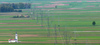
75, 24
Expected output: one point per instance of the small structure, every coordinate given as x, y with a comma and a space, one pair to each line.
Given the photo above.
21, 16
14, 40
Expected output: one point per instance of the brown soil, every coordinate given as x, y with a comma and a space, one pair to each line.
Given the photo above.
3, 41
19, 23
86, 31
26, 28
28, 35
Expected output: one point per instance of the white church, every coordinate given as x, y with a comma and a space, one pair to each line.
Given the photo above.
14, 40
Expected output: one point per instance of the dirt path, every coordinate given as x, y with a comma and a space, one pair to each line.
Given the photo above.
26, 28
28, 35
3, 41
86, 31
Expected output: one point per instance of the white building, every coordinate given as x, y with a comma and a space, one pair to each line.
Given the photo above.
14, 40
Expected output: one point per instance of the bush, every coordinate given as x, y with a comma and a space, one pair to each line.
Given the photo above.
93, 23
21, 16
15, 17
17, 10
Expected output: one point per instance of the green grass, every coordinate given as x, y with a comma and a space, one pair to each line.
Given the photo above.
69, 21
30, 44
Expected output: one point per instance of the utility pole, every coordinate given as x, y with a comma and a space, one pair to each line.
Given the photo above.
41, 18
59, 27
37, 17
33, 17
66, 36
31, 11
48, 27
61, 35
34, 13
48, 22
87, 42
55, 36
75, 38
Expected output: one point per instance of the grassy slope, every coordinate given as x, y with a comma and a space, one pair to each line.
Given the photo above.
77, 20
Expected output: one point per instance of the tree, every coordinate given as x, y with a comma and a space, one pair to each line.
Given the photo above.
55, 6
21, 6
93, 23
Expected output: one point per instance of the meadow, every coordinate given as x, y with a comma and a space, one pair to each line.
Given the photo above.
68, 25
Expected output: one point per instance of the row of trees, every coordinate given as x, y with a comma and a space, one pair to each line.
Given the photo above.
6, 8
9, 7
18, 5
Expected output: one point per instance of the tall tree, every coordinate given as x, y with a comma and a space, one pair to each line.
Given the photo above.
93, 23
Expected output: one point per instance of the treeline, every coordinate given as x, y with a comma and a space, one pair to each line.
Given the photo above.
18, 5
9, 7
6, 8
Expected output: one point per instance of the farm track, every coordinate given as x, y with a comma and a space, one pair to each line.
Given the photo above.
85, 31
26, 28
29, 35
10, 14
3, 41
20, 25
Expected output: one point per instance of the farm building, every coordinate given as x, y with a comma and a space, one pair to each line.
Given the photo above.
21, 16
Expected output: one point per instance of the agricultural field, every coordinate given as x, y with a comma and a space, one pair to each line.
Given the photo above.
68, 24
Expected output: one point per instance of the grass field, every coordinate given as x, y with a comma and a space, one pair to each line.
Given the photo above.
71, 18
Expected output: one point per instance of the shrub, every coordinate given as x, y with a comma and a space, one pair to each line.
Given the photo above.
93, 23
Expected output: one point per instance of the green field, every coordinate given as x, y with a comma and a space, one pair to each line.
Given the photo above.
72, 18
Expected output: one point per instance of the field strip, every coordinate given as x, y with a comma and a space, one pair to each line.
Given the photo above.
26, 28
47, 42
86, 31
20, 25
17, 23
15, 18
3, 41
58, 42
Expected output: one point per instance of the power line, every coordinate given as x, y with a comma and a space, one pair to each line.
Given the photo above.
55, 36
41, 18
60, 34
37, 18
48, 27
